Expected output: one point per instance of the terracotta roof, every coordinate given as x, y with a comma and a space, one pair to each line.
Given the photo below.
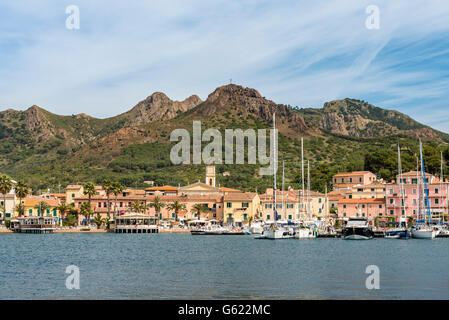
356, 201
164, 188
239, 196
355, 173
74, 186
33, 202
224, 189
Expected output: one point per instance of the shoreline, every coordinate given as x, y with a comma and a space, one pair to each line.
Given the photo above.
4, 230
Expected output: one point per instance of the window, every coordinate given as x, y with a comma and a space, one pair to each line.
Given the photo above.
173, 215
121, 204
320, 200
391, 212
350, 179
268, 206
289, 205
268, 217
278, 205
230, 216
344, 206
414, 181
344, 214
30, 211
391, 201
436, 191
289, 216
245, 217
73, 195
414, 191
380, 206
279, 216
342, 180
363, 206
228, 204
350, 196
360, 179
99, 204
319, 210
437, 201
391, 191
245, 205
335, 180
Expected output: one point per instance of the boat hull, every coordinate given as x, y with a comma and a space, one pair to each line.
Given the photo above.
277, 234
397, 234
357, 233
423, 234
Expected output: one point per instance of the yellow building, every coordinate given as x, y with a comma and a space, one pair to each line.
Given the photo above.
240, 206
72, 192
30, 209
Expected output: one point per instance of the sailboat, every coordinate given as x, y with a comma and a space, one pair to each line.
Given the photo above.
424, 231
275, 231
400, 231
304, 231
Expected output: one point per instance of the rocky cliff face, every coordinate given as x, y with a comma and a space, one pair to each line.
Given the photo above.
242, 102
159, 107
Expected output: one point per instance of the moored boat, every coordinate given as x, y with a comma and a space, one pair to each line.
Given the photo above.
357, 229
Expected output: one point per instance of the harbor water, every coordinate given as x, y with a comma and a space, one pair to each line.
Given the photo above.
181, 266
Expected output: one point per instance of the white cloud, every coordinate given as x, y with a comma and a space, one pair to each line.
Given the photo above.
299, 53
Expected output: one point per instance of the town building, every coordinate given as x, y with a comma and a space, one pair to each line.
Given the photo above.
346, 180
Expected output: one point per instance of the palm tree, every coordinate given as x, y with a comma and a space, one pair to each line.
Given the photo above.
6, 186
117, 188
157, 204
20, 209
86, 211
89, 190
71, 220
250, 221
42, 206
98, 220
198, 208
63, 208
137, 206
21, 192
176, 206
107, 187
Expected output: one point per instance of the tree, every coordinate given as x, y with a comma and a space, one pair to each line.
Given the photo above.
20, 209
21, 192
42, 206
86, 211
199, 208
71, 220
63, 208
138, 206
6, 186
176, 206
157, 204
89, 190
117, 188
108, 189
98, 220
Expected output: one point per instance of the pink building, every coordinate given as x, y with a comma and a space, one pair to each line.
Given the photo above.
345, 180
409, 203
370, 208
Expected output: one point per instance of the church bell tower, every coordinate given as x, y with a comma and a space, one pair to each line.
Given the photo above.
210, 175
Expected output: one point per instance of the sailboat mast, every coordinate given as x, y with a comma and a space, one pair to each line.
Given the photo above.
426, 189
302, 169
441, 215
403, 207
274, 168
308, 191
283, 202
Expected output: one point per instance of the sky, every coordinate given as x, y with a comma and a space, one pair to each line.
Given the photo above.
301, 53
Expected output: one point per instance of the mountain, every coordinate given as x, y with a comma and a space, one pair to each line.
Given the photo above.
48, 150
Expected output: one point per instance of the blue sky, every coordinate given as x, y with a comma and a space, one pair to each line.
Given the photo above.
301, 53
